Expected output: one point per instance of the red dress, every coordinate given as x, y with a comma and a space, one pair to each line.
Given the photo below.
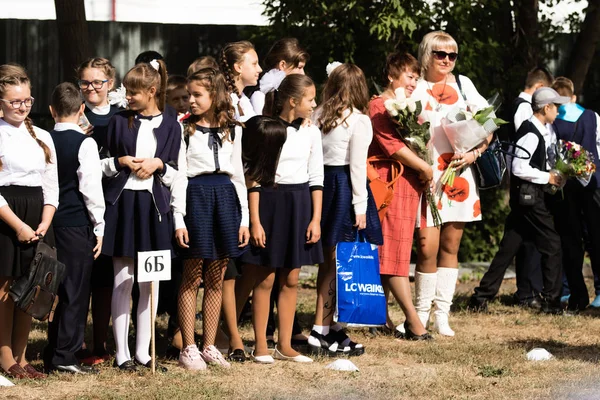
398, 225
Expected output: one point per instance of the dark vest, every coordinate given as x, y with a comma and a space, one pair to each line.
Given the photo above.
515, 106
582, 132
71, 211
100, 123
538, 157
121, 141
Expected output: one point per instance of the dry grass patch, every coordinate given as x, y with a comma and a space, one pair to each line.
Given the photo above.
486, 360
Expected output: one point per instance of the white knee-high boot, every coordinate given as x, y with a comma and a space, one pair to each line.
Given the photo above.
446, 285
425, 285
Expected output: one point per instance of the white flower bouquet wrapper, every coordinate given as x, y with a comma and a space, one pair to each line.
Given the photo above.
464, 135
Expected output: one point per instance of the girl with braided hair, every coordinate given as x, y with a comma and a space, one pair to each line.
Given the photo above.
28, 200
239, 63
215, 228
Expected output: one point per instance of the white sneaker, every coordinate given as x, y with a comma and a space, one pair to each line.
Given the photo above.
213, 356
191, 359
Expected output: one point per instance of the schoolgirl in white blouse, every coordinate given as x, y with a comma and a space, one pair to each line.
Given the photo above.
286, 57
28, 200
348, 204
215, 228
286, 217
239, 63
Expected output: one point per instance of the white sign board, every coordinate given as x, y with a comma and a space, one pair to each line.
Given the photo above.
154, 266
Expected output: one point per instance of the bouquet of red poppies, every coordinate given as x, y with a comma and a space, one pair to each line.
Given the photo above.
572, 160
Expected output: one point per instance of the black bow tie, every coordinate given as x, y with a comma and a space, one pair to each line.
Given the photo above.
297, 123
149, 117
213, 137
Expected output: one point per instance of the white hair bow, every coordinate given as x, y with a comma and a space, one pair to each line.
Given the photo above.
271, 80
331, 66
155, 64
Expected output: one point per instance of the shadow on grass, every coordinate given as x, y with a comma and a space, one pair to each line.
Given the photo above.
560, 350
38, 342
461, 301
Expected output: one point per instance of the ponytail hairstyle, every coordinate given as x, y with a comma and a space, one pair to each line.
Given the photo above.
100, 63
143, 76
288, 50
262, 142
233, 53
221, 109
15, 75
345, 89
293, 86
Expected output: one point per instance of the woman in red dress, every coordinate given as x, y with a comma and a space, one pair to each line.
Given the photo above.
398, 225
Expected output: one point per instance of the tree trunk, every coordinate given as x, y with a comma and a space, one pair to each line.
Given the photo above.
73, 39
585, 46
527, 32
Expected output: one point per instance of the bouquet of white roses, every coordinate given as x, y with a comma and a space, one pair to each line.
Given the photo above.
405, 112
467, 129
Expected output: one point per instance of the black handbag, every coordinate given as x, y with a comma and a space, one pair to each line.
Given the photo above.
36, 292
491, 166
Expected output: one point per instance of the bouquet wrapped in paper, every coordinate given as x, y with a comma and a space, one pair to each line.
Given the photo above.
467, 129
571, 160
405, 112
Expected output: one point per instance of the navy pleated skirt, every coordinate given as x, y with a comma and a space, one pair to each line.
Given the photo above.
27, 203
213, 218
285, 212
338, 216
134, 224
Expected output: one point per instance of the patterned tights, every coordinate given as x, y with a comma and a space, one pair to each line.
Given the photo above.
211, 305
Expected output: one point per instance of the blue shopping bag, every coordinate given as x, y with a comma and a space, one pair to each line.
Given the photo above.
360, 298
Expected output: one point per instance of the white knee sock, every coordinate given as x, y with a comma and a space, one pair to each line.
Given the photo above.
121, 300
143, 333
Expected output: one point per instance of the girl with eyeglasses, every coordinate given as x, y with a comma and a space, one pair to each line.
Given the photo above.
28, 200
96, 77
437, 266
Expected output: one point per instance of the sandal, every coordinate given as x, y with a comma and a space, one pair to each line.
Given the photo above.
352, 348
237, 355
16, 372
33, 373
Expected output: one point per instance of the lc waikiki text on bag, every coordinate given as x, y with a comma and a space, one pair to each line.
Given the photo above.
36, 293
360, 300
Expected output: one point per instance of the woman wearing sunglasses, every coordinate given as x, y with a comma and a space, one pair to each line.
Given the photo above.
440, 91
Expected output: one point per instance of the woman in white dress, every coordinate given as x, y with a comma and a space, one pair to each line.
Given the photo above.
440, 91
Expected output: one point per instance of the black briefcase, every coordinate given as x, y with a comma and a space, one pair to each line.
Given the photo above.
36, 292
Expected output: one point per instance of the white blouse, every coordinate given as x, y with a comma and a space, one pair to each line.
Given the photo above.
172, 178
348, 144
24, 162
210, 151
301, 158
243, 103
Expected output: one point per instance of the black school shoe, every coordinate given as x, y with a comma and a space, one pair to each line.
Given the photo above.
410, 335
127, 366
148, 365
352, 349
76, 369
327, 344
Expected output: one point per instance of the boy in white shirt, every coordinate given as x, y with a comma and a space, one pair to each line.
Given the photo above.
78, 226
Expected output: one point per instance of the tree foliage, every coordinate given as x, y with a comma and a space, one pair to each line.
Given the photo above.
499, 41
